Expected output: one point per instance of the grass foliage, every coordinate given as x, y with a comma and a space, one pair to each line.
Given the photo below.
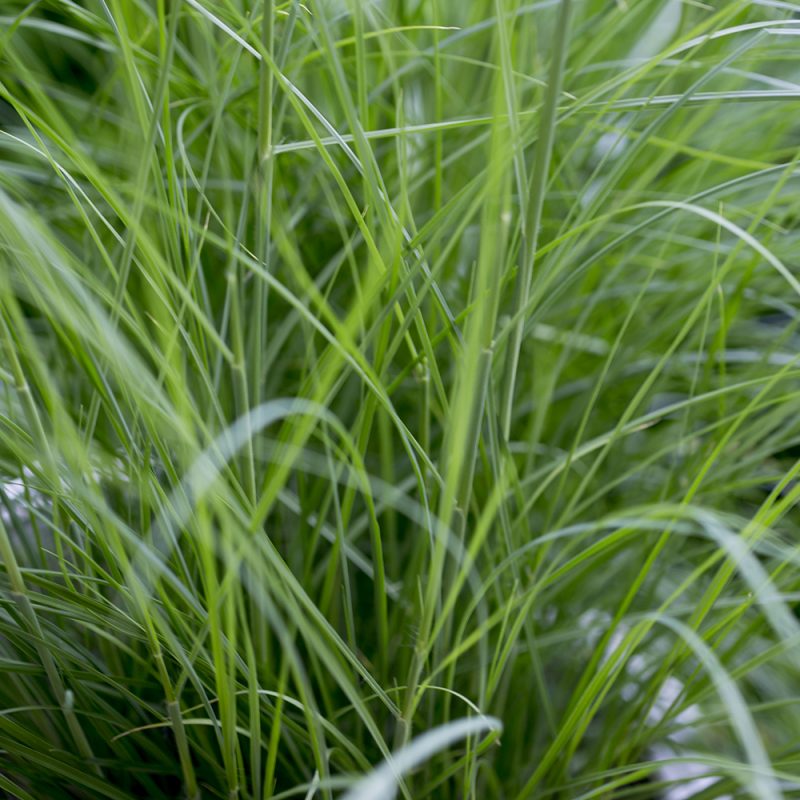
399, 377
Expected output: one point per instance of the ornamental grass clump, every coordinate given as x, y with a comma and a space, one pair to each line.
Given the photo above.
399, 399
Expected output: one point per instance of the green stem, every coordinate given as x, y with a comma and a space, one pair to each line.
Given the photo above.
530, 233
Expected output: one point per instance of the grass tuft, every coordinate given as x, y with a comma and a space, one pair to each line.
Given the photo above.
399, 399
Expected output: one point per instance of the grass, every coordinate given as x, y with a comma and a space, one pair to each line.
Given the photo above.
399, 399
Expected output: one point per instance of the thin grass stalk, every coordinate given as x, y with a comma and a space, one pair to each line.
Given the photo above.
535, 203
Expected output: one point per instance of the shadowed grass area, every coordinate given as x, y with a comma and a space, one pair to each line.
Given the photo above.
399, 399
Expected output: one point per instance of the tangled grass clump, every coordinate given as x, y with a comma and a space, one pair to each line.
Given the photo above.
399, 399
